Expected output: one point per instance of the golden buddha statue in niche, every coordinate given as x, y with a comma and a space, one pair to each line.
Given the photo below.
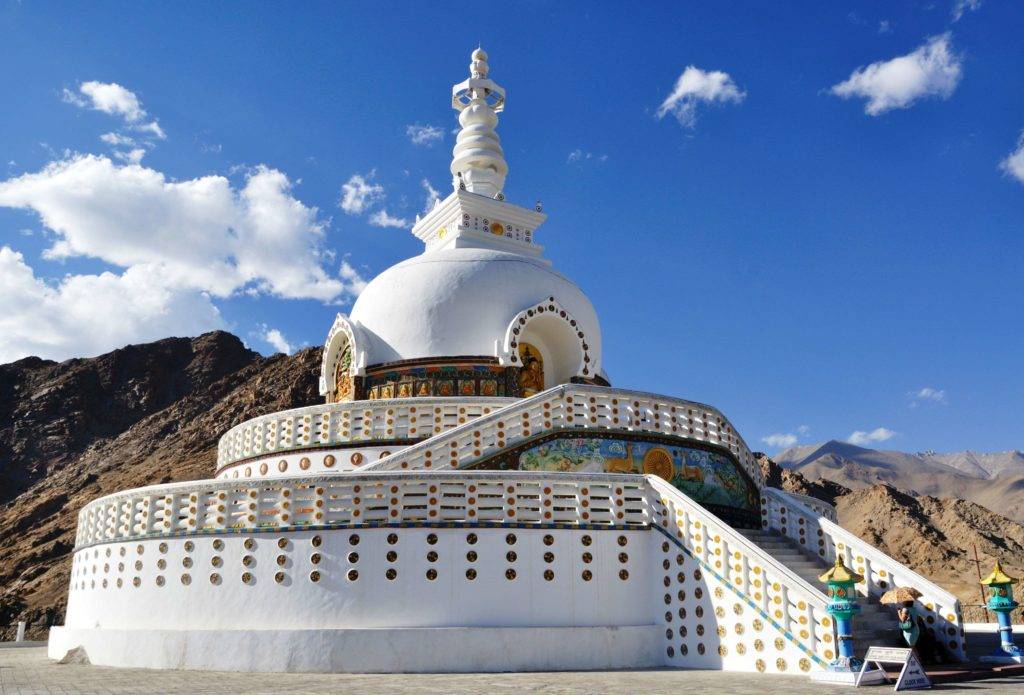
531, 374
343, 390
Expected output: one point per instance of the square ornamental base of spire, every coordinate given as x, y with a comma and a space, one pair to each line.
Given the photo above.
470, 219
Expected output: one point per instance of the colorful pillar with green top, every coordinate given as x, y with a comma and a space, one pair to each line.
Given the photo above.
1000, 601
842, 605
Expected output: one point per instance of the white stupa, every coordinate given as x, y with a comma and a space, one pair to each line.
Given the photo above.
475, 496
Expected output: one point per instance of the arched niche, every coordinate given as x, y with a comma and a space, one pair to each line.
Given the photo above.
342, 345
547, 333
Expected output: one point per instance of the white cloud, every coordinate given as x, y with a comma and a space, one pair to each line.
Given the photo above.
927, 395
579, 155
85, 315
358, 194
962, 7
118, 140
432, 196
879, 434
275, 339
424, 134
931, 70
202, 234
695, 86
803, 430
108, 97
152, 128
1014, 162
780, 440
115, 100
885, 27
131, 156
354, 282
381, 218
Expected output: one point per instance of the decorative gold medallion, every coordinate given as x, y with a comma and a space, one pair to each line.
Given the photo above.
497, 229
658, 461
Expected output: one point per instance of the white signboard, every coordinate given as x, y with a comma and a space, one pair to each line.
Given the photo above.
912, 677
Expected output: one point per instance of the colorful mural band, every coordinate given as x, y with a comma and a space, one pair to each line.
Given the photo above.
709, 478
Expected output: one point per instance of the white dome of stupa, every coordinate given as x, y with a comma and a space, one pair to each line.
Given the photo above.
457, 302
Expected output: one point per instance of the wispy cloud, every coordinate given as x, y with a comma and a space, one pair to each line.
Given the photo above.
354, 282
694, 87
275, 339
784, 440
962, 7
927, 395
359, 193
381, 218
932, 70
118, 140
432, 196
424, 134
885, 27
115, 100
780, 440
578, 155
862, 438
1013, 165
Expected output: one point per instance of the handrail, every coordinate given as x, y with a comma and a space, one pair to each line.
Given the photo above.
330, 500
576, 407
349, 422
798, 608
817, 533
820, 506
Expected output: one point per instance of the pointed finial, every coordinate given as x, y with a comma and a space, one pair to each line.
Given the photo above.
478, 163
998, 576
478, 68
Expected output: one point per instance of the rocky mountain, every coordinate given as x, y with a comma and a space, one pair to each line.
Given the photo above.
977, 464
994, 480
936, 537
145, 414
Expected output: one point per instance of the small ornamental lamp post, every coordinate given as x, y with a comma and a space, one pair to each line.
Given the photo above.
1000, 601
842, 605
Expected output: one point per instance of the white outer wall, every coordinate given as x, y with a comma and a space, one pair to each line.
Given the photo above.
371, 601
432, 650
410, 624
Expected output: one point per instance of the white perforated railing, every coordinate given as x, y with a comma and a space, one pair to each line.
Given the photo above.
576, 407
814, 504
332, 500
820, 535
794, 605
352, 422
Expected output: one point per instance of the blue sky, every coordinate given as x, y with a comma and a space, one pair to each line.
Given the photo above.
819, 230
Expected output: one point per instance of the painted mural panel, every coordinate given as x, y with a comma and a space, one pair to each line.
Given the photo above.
707, 477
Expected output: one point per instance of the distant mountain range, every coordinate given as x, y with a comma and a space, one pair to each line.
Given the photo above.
994, 480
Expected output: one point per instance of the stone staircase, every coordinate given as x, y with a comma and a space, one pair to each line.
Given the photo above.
875, 625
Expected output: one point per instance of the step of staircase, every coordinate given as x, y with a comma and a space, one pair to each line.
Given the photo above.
874, 625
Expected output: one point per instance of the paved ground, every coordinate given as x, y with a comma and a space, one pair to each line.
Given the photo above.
27, 670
